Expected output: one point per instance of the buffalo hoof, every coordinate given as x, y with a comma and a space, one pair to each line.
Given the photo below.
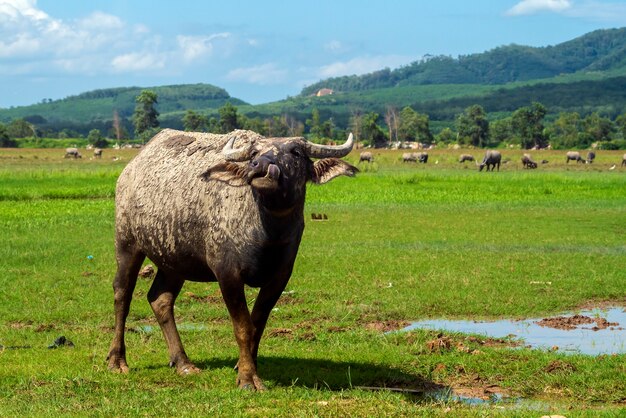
185, 368
256, 384
118, 365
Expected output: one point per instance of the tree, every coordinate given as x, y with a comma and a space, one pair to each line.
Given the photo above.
194, 122
315, 124
276, 127
356, 122
391, 119
446, 136
473, 126
620, 123
145, 118
414, 126
228, 118
500, 131
527, 124
595, 129
294, 126
565, 130
19, 128
5, 141
372, 132
96, 139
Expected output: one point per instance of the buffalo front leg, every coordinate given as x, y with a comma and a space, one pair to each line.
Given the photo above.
128, 265
235, 299
162, 296
265, 302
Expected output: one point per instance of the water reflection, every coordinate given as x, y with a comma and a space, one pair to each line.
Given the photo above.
582, 339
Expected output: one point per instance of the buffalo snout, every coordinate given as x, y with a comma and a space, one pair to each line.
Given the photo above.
264, 172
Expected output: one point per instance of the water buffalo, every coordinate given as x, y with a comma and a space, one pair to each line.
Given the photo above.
491, 160
466, 157
72, 153
97, 153
623, 160
207, 207
590, 157
366, 156
422, 157
528, 162
408, 157
574, 155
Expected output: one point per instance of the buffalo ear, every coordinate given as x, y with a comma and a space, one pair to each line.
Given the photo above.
327, 169
224, 171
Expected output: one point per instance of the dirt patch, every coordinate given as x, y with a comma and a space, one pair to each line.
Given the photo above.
281, 333
335, 329
568, 323
466, 344
472, 385
558, 366
205, 299
287, 299
386, 326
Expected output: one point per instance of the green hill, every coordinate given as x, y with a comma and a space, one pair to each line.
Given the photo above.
94, 109
601, 50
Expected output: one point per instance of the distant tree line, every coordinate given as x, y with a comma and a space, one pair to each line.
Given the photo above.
526, 127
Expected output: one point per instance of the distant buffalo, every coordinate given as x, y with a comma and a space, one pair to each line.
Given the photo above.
72, 153
491, 160
408, 157
590, 157
366, 156
574, 156
422, 157
97, 153
466, 157
528, 162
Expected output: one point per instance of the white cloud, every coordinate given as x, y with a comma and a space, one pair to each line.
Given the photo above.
362, 65
527, 7
193, 47
16, 9
138, 62
101, 21
261, 74
20, 45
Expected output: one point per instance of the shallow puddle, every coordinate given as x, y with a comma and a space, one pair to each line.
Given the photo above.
584, 338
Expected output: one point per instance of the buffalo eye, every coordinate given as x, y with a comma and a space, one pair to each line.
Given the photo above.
296, 152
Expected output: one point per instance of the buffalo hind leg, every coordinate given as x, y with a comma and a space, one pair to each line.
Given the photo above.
162, 296
128, 265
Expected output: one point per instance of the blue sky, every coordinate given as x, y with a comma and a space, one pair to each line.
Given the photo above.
260, 51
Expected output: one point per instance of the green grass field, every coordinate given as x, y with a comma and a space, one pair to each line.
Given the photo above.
402, 242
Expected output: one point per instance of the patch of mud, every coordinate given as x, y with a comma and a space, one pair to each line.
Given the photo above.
468, 345
572, 322
386, 326
591, 332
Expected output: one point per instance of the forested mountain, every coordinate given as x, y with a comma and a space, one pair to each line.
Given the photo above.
601, 50
95, 108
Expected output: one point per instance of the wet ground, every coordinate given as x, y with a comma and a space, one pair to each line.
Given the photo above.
593, 332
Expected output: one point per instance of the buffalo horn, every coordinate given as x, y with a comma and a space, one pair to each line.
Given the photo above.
325, 151
234, 154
